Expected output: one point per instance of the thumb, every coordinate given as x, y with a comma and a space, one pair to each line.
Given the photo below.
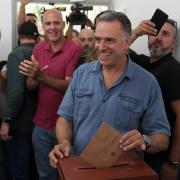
33, 59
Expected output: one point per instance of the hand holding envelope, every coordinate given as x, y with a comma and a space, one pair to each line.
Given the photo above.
103, 149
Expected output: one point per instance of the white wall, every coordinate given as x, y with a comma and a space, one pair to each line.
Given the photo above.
138, 10
7, 26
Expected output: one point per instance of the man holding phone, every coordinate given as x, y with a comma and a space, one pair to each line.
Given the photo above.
166, 69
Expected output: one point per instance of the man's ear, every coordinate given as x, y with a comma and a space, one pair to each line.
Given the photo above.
128, 42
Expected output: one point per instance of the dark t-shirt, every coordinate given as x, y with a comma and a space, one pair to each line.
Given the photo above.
20, 102
167, 72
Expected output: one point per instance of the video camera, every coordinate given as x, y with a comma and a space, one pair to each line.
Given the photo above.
77, 17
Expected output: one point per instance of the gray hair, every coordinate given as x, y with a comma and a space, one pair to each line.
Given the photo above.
109, 16
174, 24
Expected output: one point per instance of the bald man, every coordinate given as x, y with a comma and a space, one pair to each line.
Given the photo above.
87, 42
50, 70
86, 38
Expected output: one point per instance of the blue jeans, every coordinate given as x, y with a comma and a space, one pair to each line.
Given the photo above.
43, 142
23, 161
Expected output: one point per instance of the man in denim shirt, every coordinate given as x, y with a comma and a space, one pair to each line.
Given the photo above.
113, 90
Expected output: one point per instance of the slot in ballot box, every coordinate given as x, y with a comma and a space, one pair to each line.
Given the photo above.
129, 167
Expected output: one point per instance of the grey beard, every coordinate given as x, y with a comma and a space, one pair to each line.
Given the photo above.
158, 53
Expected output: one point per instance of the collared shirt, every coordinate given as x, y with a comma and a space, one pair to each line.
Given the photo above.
57, 65
133, 102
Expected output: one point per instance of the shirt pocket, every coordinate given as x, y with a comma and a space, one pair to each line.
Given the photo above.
83, 99
128, 113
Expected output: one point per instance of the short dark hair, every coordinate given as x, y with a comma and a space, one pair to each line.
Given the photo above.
109, 16
28, 29
31, 14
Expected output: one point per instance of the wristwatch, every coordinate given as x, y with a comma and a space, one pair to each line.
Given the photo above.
174, 164
147, 141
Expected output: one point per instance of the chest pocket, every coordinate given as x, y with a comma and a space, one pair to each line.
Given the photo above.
128, 112
83, 103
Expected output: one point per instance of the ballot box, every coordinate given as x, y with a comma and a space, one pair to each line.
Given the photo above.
128, 167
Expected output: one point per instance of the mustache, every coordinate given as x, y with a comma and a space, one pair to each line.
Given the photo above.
157, 42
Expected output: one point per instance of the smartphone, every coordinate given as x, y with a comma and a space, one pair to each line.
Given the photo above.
159, 18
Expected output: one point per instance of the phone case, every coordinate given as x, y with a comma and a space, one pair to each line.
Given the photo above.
159, 18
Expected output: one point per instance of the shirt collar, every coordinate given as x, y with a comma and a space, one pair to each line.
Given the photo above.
48, 47
129, 70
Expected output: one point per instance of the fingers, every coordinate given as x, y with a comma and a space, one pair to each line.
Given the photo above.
54, 156
59, 152
28, 68
6, 137
132, 140
33, 58
24, 67
149, 27
146, 27
4, 131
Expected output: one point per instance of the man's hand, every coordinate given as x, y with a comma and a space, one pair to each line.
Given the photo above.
31, 69
60, 151
132, 140
25, 2
168, 172
146, 27
4, 131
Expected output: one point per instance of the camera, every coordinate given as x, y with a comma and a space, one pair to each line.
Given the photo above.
77, 17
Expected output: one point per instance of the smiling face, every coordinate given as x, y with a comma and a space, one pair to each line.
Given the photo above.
163, 43
53, 25
111, 43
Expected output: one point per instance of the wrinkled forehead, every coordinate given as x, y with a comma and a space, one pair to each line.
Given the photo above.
52, 14
168, 27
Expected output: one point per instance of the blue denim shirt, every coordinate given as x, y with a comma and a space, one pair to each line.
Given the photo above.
133, 102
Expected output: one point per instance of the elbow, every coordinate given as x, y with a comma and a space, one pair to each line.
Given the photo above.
163, 144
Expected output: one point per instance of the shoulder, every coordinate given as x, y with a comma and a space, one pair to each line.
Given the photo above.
41, 44
85, 70
142, 73
140, 59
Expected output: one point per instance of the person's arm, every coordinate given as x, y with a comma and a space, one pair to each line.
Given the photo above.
22, 12
63, 131
146, 27
2, 84
64, 136
31, 84
33, 70
69, 31
134, 140
174, 153
57, 84
89, 23
170, 171
14, 94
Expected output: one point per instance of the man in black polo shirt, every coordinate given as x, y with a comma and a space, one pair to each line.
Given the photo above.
166, 69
